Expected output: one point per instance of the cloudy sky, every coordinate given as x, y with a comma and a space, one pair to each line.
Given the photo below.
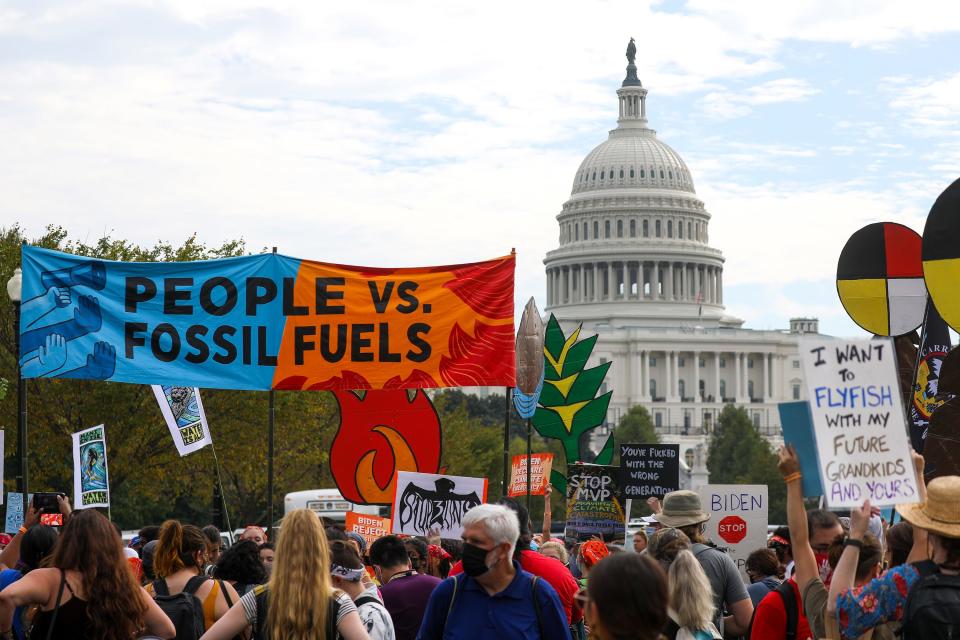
409, 133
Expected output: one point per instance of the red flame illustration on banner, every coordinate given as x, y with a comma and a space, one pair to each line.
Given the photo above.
384, 432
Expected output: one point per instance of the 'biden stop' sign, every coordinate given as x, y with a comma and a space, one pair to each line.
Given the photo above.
732, 529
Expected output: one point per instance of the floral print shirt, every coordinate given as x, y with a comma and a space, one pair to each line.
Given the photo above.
879, 601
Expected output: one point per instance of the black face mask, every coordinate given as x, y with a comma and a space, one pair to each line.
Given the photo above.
474, 560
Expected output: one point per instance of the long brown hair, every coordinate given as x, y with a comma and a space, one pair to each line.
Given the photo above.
90, 545
629, 593
176, 548
300, 584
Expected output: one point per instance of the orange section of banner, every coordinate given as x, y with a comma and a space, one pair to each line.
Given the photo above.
364, 328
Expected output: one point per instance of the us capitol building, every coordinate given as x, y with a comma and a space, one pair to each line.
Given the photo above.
635, 267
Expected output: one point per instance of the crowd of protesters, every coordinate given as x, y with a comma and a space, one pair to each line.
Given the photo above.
822, 576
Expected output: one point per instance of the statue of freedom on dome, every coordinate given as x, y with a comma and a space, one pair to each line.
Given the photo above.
631, 52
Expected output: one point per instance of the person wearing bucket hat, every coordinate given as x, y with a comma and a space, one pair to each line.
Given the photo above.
683, 510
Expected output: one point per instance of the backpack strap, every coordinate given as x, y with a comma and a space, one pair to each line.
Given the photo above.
926, 569
193, 584
785, 590
56, 607
453, 598
362, 600
536, 604
160, 587
226, 594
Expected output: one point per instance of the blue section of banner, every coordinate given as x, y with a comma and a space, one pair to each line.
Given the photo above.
150, 323
797, 425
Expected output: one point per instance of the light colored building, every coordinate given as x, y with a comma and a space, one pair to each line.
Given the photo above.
635, 266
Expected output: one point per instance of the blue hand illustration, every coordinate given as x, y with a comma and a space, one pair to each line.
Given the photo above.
100, 364
50, 357
86, 319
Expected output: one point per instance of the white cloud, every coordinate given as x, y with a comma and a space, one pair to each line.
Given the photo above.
724, 105
931, 107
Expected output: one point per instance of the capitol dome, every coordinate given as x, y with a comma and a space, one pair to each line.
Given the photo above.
632, 157
634, 244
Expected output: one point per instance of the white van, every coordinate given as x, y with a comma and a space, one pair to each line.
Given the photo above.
327, 503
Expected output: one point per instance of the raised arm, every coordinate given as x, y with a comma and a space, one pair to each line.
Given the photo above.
919, 550
11, 553
547, 513
805, 564
845, 575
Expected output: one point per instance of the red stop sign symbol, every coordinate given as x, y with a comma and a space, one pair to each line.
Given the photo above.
732, 529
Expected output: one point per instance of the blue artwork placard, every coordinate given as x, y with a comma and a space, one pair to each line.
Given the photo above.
797, 425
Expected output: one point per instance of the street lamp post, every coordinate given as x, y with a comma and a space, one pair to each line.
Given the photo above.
15, 290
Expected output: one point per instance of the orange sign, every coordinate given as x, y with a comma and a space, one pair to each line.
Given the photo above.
367, 328
540, 466
370, 527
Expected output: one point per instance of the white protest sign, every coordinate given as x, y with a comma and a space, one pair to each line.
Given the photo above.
426, 501
91, 487
183, 411
859, 422
738, 519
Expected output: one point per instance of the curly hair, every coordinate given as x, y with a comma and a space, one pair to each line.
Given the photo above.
241, 564
90, 545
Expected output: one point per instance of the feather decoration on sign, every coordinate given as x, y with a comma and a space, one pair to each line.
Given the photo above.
529, 349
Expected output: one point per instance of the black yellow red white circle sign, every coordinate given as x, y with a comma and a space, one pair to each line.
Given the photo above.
941, 254
880, 279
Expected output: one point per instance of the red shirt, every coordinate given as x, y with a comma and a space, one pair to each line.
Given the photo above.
551, 570
770, 618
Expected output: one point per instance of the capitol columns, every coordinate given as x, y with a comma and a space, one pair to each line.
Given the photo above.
645, 376
716, 377
669, 289
609, 280
655, 281
766, 377
696, 377
738, 394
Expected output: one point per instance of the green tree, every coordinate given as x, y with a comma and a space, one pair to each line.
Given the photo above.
635, 426
738, 454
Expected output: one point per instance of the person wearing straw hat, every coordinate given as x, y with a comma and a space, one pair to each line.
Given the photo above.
934, 560
683, 510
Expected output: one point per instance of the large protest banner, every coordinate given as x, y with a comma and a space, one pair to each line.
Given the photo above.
649, 470
593, 501
186, 420
540, 466
91, 486
429, 501
370, 527
738, 519
859, 422
267, 321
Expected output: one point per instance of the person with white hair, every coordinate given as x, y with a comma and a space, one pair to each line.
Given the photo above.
494, 597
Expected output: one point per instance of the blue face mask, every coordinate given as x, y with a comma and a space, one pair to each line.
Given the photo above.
534, 546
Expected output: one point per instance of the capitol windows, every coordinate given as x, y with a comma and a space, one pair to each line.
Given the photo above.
619, 228
596, 229
646, 229
796, 391
688, 230
576, 232
641, 172
750, 389
658, 419
670, 173
702, 364
621, 174
606, 228
682, 388
584, 230
749, 363
680, 362
601, 175
661, 174
723, 363
796, 364
631, 172
633, 228
594, 175
656, 228
723, 390
653, 361
669, 228
680, 230
653, 388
